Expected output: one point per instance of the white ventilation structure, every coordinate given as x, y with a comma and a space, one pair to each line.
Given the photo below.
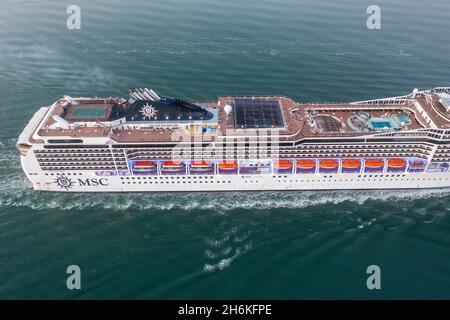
144, 94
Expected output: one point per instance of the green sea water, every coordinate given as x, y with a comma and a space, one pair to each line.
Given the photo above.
219, 245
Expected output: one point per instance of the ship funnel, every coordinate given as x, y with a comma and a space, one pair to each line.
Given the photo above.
143, 95
146, 94
151, 94
136, 94
154, 94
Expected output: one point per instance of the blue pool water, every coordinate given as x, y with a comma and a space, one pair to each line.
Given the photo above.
381, 124
403, 118
89, 113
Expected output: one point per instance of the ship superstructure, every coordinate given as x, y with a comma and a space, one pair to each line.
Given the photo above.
149, 142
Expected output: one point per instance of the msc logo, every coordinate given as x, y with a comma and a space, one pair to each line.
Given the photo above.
93, 182
64, 182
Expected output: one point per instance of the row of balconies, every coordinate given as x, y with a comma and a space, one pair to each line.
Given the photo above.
74, 163
81, 168
44, 157
70, 151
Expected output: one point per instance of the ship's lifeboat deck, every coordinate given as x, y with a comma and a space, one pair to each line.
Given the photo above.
282, 166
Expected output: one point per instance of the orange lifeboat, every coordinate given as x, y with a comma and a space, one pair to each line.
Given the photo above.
328, 164
144, 164
419, 164
306, 164
374, 163
351, 164
169, 164
144, 167
201, 164
396, 163
282, 164
228, 165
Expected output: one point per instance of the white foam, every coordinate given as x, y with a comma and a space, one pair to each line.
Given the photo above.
15, 190
226, 262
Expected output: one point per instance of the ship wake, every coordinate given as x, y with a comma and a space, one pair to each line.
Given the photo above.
16, 191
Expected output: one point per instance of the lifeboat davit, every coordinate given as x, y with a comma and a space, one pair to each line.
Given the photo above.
374, 165
328, 166
228, 167
306, 166
396, 165
351, 165
283, 166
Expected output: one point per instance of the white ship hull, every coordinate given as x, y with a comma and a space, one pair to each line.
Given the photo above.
89, 181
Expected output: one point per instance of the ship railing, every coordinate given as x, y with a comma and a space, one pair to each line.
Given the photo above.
441, 90
403, 99
387, 101
262, 97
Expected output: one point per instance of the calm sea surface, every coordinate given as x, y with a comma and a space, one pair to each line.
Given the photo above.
236, 245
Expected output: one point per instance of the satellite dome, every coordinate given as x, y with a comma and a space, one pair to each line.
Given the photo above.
228, 109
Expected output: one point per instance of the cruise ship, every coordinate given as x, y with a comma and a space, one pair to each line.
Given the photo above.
151, 143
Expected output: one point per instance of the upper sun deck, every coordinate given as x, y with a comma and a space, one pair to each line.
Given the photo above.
168, 119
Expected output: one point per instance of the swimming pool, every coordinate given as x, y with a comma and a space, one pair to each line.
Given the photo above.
381, 124
89, 113
402, 119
